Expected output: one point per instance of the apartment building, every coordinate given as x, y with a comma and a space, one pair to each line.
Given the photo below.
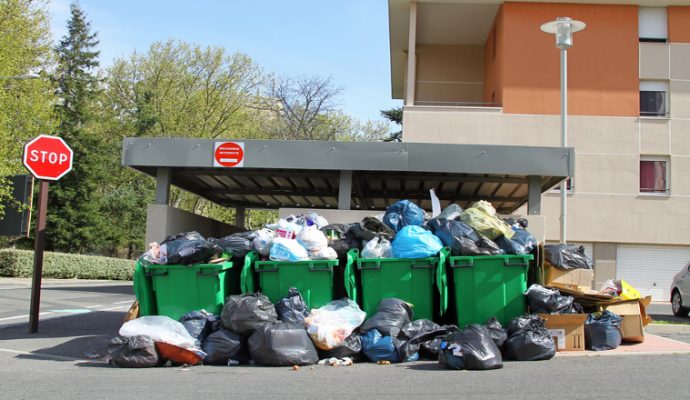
482, 72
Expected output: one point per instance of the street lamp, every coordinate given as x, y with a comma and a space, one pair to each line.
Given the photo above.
563, 28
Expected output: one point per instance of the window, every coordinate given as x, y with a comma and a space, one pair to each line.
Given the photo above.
652, 24
653, 175
653, 98
568, 186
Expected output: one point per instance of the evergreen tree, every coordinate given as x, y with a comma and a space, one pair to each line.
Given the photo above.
74, 221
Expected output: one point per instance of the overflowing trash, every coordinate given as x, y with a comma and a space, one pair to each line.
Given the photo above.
562, 313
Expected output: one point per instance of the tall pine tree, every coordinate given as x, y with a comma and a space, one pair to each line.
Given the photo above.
74, 220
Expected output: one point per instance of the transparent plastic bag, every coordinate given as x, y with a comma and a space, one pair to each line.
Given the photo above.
377, 248
327, 253
287, 250
160, 328
262, 241
330, 325
312, 238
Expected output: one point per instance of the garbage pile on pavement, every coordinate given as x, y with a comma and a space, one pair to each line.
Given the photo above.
271, 298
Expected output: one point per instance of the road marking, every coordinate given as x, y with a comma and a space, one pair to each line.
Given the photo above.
23, 316
97, 305
72, 311
123, 302
112, 308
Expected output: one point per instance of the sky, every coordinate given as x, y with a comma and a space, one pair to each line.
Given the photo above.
345, 39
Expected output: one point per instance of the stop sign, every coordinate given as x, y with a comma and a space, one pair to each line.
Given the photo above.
48, 157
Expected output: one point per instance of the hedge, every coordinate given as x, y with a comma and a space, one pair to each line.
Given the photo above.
20, 263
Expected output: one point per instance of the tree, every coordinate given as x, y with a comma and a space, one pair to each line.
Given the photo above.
75, 221
26, 105
394, 115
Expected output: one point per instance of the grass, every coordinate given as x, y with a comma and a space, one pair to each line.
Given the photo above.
663, 322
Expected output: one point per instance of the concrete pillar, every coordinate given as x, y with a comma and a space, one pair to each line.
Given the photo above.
412, 56
533, 195
345, 190
162, 185
239, 216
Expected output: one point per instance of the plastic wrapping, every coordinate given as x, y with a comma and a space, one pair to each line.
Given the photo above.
567, 256
224, 345
489, 226
452, 211
238, 244
351, 347
377, 248
198, 323
246, 313
529, 340
159, 328
327, 253
524, 238
403, 213
312, 239
602, 331
282, 344
292, 308
378, 347
263, 241
391, 316
330, 325
133, 352
498, 334
550, 301
188, 248
287, 228
510, 246
340, 238
430, 349
471, 348
415, 242
450, 231
410, 338
370, 227
287, 250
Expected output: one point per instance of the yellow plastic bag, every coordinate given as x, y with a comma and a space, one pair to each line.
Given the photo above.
628, 292
488, 226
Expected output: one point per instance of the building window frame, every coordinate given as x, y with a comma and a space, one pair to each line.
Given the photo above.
569, 189
654, 190
654, 99
653, 24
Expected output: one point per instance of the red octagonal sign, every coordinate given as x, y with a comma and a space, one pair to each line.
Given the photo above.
48, 157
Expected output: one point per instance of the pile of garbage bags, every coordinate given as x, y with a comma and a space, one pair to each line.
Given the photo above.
403, 231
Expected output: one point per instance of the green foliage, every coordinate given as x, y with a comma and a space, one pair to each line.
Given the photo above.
19, 264
393, 114
25, 104
75, 221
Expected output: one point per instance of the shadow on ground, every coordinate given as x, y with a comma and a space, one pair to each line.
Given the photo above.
671, 319
124, 288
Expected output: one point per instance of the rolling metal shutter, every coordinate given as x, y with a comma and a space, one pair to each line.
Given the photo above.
650, 269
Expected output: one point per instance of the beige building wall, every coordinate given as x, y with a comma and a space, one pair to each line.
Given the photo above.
163, 220
450, 74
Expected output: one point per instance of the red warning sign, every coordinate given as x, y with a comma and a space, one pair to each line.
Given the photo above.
228, 154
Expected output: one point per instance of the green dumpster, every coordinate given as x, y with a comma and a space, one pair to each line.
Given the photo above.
143, 290
313, 278
488, 286
180, 289
411, 280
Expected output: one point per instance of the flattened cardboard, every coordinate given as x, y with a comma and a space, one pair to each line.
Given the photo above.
577, 279
572, 326
632, 324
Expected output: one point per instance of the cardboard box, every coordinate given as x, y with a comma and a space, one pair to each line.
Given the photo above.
568, 330
633, 320
577, 279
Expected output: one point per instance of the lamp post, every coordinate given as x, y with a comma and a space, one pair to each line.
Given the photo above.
563, 28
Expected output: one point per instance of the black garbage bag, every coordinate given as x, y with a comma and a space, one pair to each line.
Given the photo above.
529, 340
430, 349
351, 347
542, 300
224, 345
133, 352
510, 246
238, 244
488, 247
471, 348
403, 213
188, 248
567, 256
602, 331
391, 316
370, 228
198, 324
526, 239
292, 308
282, 344
452, 211
340, 238
246, 313
498, 334
410, 338
449, 231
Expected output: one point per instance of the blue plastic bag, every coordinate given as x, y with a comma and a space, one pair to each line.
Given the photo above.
415, 242
403, 213
379, 348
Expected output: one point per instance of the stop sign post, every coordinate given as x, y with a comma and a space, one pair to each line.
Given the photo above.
48, 158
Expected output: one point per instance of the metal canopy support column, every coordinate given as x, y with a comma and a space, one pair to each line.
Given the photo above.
345, 190
534, 195
239, 216
162, 185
